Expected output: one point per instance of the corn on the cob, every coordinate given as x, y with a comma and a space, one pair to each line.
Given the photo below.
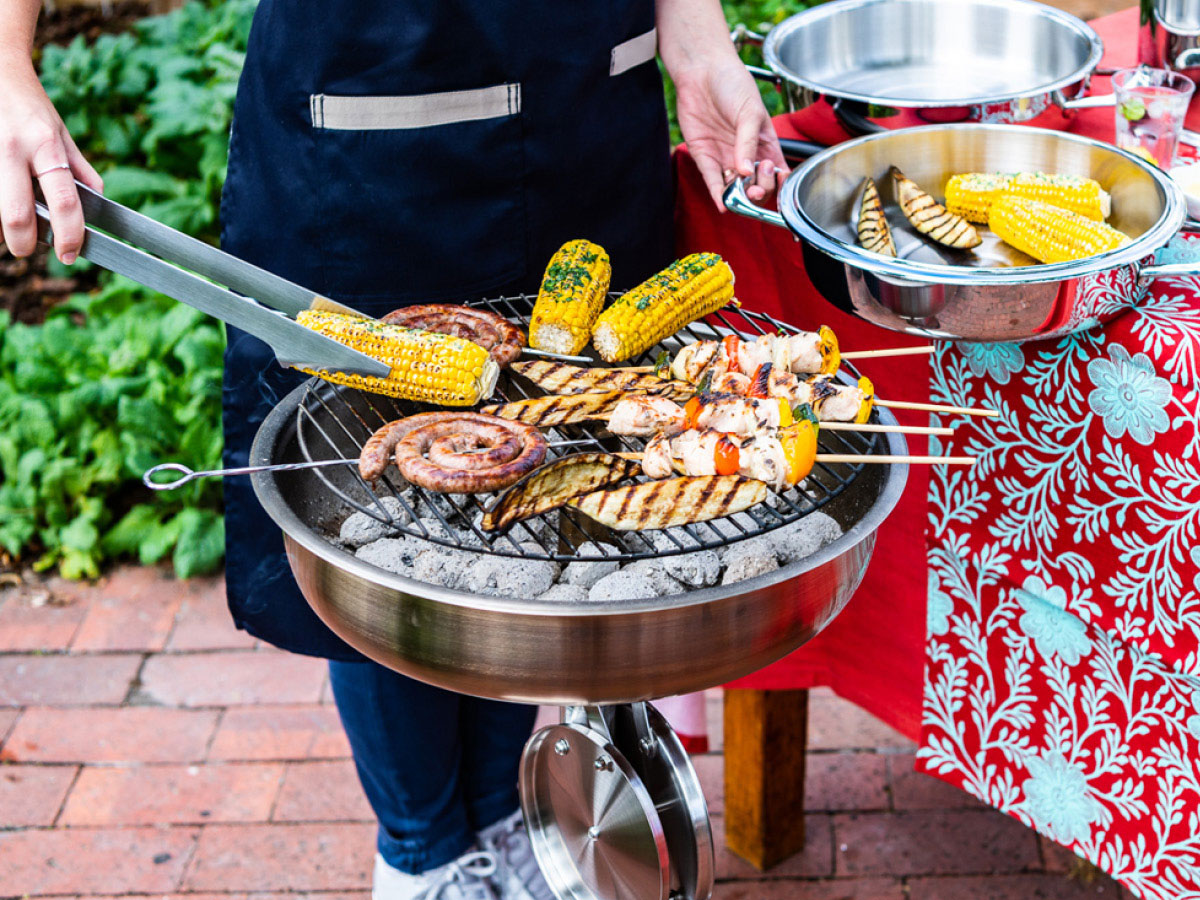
572, 293
687, 290
971, 195
426, 367
1048, 233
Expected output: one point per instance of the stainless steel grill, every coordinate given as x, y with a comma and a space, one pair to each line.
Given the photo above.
334, 422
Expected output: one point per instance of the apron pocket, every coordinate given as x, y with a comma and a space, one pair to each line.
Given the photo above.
422, 197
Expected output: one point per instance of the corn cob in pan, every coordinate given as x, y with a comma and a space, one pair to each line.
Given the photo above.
427, 367
1048, 233
687, 290
971, 195
572, 293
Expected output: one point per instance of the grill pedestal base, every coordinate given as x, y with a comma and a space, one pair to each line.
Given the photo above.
614, 808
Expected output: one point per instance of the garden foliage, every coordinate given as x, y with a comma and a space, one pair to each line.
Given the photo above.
122, 379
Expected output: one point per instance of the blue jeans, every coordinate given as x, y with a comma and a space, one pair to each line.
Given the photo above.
436, 766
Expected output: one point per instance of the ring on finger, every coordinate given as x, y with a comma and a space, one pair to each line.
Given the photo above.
49, 169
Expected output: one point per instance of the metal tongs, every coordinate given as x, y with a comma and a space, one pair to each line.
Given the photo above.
214, 282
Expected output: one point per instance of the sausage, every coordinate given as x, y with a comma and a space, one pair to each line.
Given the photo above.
377, 452
494, 333
467, 453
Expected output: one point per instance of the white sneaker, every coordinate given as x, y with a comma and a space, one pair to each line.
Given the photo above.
467, 878
517, 874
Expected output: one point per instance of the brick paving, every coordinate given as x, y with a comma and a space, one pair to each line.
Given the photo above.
148, 749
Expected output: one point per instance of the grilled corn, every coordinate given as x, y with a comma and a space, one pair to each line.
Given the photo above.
572, 293
687, 290
1048, 233
972, 194
426, 367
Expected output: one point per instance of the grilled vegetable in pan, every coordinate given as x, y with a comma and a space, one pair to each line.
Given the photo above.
931, 218
426, 367
554, 484
559, 378
547, 411
873, 231
687, 290
572, 293
1050, 234
674, 501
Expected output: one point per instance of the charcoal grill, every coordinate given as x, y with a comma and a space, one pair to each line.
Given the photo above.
612, 803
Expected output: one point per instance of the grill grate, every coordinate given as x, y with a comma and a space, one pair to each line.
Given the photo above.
335, 421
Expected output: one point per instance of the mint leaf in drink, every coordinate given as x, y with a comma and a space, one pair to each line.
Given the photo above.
1133, 109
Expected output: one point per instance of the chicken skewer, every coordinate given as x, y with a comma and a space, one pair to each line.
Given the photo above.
779, 458
806, 352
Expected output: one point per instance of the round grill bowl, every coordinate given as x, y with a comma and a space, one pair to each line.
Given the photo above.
511, 648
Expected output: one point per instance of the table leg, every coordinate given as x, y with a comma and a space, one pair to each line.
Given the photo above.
765, 741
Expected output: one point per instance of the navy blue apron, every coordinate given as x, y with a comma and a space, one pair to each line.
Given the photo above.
388, 152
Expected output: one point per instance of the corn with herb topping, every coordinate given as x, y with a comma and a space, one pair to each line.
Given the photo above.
572, 293
687, 290
427, 367
971, 195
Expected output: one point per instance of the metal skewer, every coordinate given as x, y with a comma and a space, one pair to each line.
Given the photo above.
188, 475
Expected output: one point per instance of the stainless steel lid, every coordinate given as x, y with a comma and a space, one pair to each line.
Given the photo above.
933, 52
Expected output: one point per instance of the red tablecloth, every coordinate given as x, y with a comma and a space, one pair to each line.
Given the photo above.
1042, 635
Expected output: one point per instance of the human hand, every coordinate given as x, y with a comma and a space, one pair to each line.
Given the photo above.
727, 129
35, 145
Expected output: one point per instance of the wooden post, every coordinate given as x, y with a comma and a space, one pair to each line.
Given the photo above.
766, 734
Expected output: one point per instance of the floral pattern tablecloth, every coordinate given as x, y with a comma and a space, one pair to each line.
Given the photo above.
1063, 655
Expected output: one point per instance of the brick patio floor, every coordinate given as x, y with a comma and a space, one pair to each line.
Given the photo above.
149, 749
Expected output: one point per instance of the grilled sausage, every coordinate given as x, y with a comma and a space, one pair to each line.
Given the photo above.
499, 337
468, 453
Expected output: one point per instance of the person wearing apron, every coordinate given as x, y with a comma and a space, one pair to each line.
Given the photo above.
389, 152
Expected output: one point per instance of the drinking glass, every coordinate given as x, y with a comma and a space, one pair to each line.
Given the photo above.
1151, 106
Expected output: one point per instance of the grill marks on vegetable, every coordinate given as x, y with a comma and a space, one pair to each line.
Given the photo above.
931, 218
670, 502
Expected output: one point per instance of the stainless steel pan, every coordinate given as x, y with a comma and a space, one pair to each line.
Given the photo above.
992, 293
898, 63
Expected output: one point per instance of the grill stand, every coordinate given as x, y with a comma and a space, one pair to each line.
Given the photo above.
614, 809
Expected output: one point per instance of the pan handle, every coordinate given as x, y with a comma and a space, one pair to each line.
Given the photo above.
1095, 101
1170, 270
741, 36
736, 200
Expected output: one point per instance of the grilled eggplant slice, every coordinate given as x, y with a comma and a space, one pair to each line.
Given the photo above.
554, 484
873, 230
673, 501
544, 412
931, 218
560, 378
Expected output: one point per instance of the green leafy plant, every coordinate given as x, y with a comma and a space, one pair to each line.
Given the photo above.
120, 380
111, 384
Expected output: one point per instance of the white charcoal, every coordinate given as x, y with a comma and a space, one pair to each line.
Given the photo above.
360, 528
505, 576
759, 545
393, 554
565, 593
442, 566
621, 586
656, 574
585, 574
697, 569
805, 537
748, 566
